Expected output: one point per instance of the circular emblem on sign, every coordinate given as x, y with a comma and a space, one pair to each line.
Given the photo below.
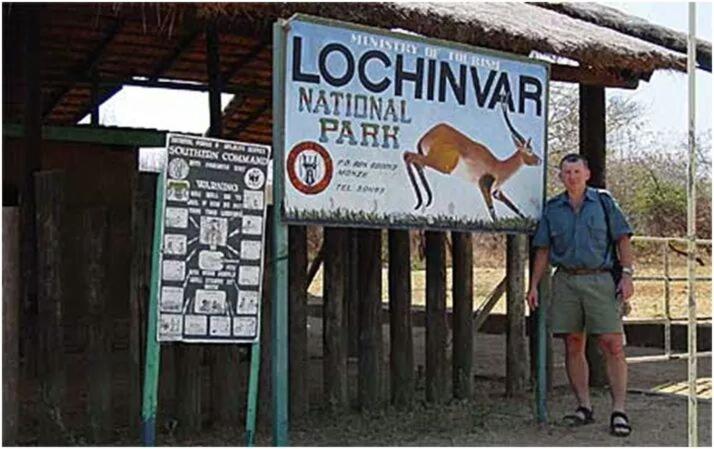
178, 168
309, 167
254, 178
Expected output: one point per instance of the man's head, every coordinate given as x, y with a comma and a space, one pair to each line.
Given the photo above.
574, 172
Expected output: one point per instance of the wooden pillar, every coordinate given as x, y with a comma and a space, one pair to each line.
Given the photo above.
592, 145
462, 316
370, 319
334, 337
29, 16
224, 359
436, 331
401, 354
299, 361
352, 294
516, 361
50, 199
10, 325
95, 231
142, 224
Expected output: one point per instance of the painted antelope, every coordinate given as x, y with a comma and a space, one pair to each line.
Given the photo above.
448, 151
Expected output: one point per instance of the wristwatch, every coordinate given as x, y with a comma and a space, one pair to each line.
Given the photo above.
628, 271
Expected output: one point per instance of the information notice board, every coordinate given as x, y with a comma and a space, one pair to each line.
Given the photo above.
213, 240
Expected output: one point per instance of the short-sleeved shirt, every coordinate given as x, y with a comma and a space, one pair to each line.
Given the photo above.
580, 240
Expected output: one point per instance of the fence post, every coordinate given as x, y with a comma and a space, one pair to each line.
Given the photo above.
401, 355
516, 361
435, 317
462, 316
370, 318
334, 338
10, 324
299, 362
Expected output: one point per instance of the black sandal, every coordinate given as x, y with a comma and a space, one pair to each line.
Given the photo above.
581, 417
620, 429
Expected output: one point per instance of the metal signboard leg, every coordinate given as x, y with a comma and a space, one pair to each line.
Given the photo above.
153, 354
252, 394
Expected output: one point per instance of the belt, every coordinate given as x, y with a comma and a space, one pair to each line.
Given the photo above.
582, 271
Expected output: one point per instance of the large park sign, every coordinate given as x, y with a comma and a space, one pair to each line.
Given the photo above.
390, 129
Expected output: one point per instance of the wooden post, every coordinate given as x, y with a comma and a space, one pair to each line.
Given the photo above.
436, 331
50, 194
95, 229
224, 359
189, 359
516, 361
463, 294
334, 339
592, 145
401, 354
352, 294
299, 362
143, 186
370, 318
31, 162
10, 324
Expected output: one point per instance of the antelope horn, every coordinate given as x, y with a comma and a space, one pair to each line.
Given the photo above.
508, 121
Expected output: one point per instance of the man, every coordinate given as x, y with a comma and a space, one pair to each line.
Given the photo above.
573, 233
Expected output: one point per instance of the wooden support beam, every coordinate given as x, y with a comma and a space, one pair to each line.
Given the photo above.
370, 319
401, 354
103, 94
107, 92
436, 328
315, 264
463, 300
592, 146
31, 161
334, 338
95, 232
299, 361
252, 117
83, 69
184, 42
250, 90
352, 295
481, 314
246, 59
215, 84
132, 138
11, 284
591, 77
516, 361
50, 193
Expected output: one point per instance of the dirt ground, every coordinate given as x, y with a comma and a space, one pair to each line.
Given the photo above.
491, 419
487, 419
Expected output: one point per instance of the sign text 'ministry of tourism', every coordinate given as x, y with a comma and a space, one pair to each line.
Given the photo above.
387, 129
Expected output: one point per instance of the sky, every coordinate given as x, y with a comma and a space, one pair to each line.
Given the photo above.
664, 96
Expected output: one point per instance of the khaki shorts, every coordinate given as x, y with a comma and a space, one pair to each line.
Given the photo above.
585, 302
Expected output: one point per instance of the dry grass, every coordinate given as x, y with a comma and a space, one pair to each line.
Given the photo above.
648, 301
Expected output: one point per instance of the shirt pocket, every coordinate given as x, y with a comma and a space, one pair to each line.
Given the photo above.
559, 237
597, 231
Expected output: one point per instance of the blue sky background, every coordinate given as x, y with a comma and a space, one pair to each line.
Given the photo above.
664, 97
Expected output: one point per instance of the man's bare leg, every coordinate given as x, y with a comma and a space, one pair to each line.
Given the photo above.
577, 368
611, 347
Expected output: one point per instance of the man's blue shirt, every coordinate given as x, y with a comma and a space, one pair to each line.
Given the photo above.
579, 240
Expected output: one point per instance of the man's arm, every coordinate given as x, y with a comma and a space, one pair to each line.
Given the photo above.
540, 264
624, 250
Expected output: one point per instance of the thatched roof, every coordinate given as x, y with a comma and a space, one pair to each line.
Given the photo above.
119, 42
634, 26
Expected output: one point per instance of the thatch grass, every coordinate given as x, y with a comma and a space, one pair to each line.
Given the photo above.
513, 27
